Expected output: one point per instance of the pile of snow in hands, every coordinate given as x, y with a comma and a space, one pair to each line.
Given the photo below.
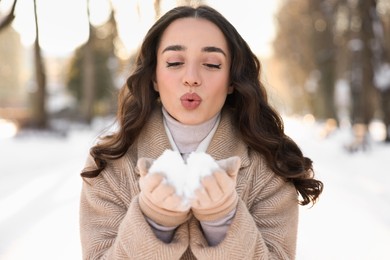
184, 176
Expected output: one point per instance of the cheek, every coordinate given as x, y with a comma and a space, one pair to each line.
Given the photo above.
160, 80
163, 77
223, 87
218, 95
166, 86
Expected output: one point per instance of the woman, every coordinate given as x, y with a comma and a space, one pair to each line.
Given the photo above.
195, 88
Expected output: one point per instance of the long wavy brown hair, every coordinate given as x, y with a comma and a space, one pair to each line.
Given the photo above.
260, 126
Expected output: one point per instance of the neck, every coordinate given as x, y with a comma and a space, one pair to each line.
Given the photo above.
188, 137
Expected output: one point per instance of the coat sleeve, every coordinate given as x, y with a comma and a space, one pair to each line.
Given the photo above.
110, 229
268, 230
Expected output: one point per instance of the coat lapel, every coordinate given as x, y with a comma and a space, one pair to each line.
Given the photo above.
153, 140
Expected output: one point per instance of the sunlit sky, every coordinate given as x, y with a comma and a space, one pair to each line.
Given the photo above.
63, 24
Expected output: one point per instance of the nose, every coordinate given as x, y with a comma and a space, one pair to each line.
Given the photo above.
192, 77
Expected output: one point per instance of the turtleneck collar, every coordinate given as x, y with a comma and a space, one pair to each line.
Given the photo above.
188, 137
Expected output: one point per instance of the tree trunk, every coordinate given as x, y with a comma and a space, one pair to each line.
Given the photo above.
362, 71
88, 77
157, 8
40, 114
382, 61
324, 47
9, 18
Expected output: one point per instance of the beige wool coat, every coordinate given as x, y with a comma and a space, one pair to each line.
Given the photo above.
112, 225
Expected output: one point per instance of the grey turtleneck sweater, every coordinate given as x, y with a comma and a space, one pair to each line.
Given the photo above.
187, 139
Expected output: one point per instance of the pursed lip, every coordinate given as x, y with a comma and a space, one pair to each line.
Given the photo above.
190, 97
190, 101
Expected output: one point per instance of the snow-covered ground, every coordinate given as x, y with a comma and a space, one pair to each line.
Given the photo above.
40, 188
351, 221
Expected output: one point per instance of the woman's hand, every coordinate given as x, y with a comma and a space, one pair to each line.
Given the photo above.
158, 200
217, 195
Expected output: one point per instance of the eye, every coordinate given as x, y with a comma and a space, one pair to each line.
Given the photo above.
212, 66
174, 64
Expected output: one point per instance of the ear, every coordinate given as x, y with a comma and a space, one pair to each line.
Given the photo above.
231, 165
155, 85
230, 89
144, 164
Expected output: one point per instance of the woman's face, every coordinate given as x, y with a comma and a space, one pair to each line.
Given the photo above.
192, 73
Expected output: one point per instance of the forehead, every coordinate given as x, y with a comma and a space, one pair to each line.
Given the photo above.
193, 32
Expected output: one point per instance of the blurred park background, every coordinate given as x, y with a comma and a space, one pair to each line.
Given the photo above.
326, 65
65, 60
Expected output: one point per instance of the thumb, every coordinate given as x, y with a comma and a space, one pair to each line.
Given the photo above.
230, 165
144, 164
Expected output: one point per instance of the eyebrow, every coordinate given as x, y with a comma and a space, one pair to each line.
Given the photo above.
213, 49
174, 48
204, 49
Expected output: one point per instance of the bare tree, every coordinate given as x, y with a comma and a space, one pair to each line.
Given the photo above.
381, 61
189, 2
92, 69
157, 8
40, 115
362, 71
291, 45
367, 59
9, 18
88, 77
324, 51
304, 43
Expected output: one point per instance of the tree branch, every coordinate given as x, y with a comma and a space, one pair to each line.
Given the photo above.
9, 18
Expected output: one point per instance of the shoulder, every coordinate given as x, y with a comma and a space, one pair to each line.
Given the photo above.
257, 169
258, 181
119, 177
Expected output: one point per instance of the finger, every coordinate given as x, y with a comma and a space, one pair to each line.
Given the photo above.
231, 165
202, 198
212, 187
174, 202
225, 183
194, 202
144, 164
150, 182
162, 192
